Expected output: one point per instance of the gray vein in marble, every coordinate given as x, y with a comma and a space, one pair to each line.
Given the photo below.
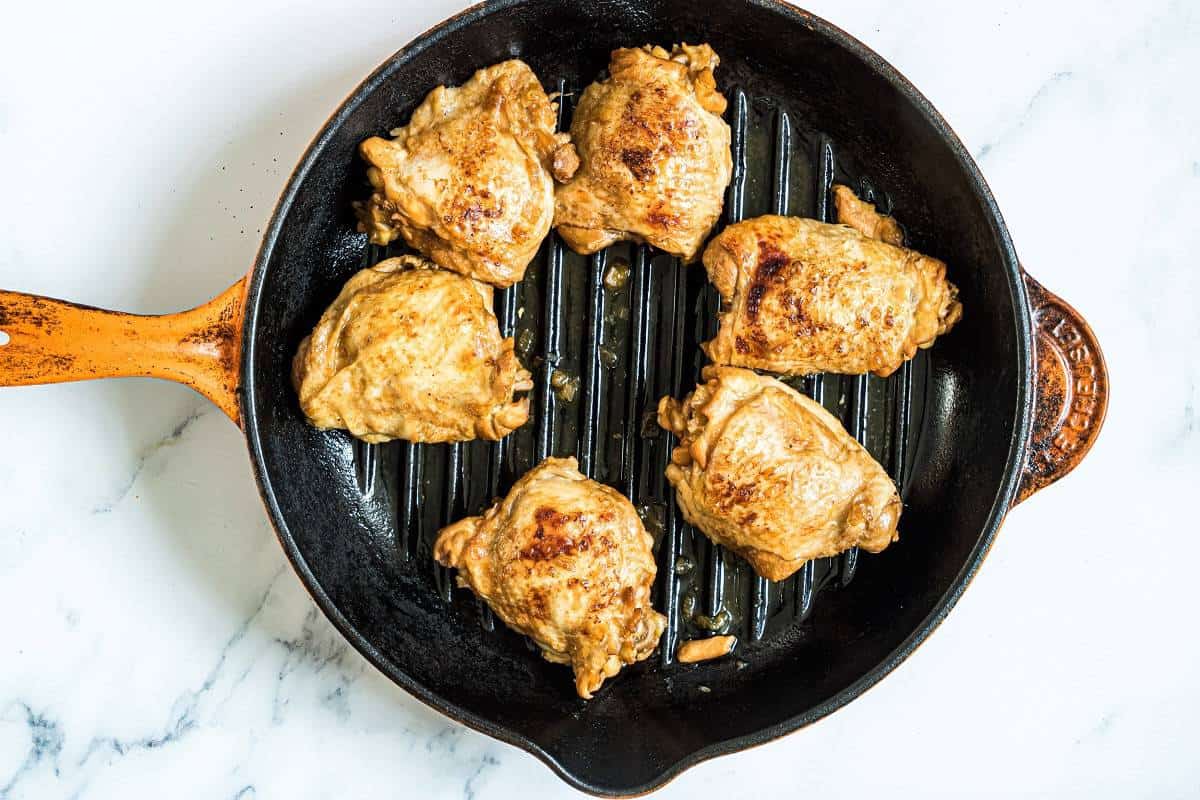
336, 700
236, 682
245, 792
317, 652
45, 744
447, 737
170, 439
1026, 115
184, 709
1100, 729
1188, 427
469, 787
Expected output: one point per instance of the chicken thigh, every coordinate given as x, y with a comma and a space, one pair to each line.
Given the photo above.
654, 154
407, 351
773, 476
802, 296
565, 561
468, 180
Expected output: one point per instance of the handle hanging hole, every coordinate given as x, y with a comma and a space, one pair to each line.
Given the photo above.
4, 338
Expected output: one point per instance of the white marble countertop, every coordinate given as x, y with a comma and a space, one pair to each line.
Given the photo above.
154, 642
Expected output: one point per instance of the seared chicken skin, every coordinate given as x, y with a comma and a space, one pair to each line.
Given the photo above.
801, 296
773, 476
407, 351
654, 154
468, 180
565, 561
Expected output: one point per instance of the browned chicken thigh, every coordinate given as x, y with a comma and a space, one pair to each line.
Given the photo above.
802, 296
773, 476
468, 180
654, 154
407, 351
565, 561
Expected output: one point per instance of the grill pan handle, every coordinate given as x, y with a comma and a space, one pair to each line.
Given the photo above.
52, 341
1071, 390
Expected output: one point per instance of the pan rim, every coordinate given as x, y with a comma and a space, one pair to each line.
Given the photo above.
1001, 505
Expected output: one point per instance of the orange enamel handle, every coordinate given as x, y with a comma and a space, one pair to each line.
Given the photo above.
1071, 396
51, 341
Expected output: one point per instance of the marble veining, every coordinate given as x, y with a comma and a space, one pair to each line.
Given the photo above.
45, 744
1022, 120
171, 438
155, 641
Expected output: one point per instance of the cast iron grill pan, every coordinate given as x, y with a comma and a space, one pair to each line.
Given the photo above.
808, 107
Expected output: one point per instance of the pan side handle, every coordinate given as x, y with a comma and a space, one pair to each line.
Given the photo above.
1071, 390
52, 341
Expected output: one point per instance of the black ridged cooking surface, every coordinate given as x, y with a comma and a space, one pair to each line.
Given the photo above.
626, 348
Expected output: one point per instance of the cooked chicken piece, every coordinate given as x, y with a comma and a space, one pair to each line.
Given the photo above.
565, 561
802, 296
468, 180
773, 476
654, 154
407, 351
863, 217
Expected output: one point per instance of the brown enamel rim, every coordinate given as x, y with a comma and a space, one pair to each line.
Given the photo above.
1070, 391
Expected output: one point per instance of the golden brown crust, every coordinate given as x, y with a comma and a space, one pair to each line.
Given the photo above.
654, 154
803, 296
407, 351
567, 562
468, 180
773, 476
